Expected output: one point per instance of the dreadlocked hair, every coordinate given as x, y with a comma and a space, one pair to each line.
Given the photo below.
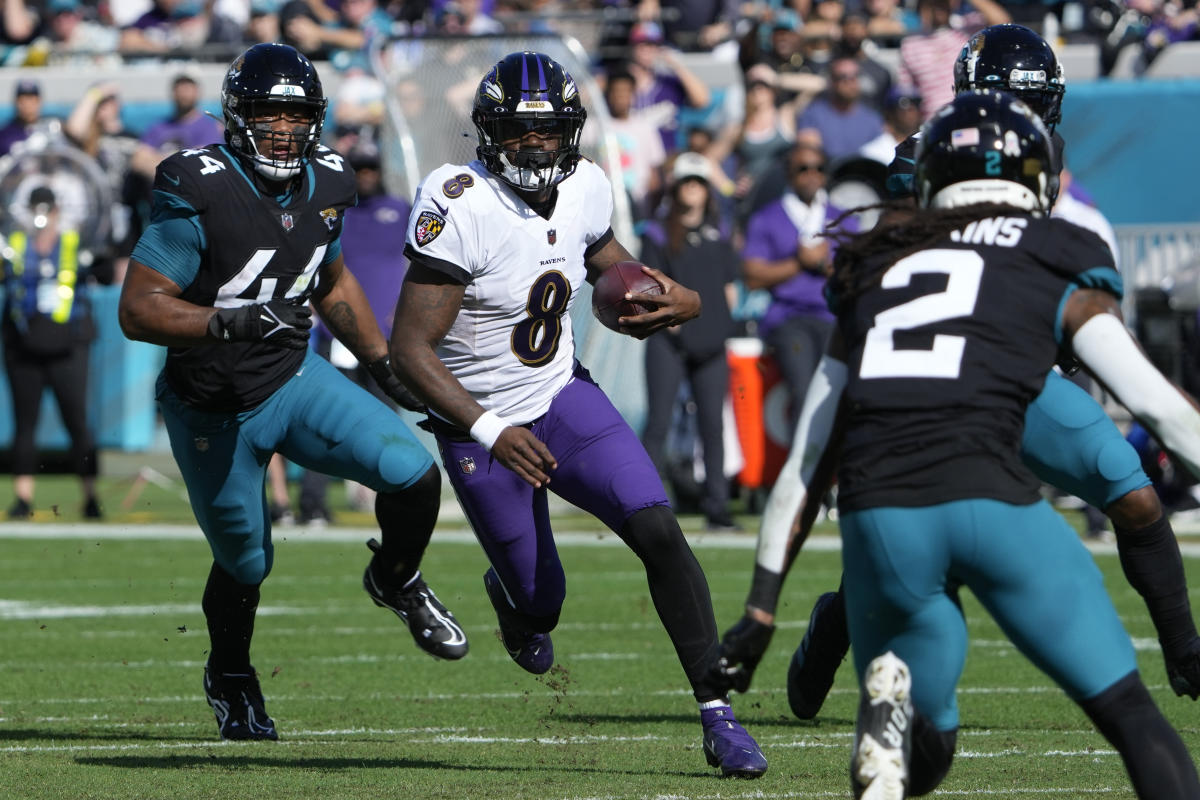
862, 258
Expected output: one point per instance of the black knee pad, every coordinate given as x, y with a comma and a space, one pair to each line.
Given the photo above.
1120, 709
652, 531
1156, 759
420, 500
426, 489
223, 591
932, 753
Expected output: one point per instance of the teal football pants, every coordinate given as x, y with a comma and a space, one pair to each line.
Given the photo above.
1025, 565
1070, 443
319, 419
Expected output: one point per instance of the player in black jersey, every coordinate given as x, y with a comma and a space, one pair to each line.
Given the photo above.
948, 323
1009, 57
244, 236
1069, 443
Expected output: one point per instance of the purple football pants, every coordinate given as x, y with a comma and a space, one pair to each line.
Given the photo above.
602, 468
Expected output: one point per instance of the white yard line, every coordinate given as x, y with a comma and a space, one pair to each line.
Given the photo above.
11, 703
458, 535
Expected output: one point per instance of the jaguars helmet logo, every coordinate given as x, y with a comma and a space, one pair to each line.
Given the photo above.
970, 56
330, 217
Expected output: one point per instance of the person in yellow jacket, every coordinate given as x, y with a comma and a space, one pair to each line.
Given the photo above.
47, 333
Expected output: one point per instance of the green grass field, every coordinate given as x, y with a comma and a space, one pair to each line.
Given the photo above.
102, 644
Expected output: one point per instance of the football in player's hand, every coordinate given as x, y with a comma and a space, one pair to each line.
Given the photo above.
608, 295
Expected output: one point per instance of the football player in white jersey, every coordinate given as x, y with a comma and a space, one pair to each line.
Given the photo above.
498, 249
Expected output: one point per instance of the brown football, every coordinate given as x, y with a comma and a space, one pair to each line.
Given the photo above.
608, 295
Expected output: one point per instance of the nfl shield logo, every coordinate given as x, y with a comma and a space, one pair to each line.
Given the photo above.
287, 221
467, 465
202, 444
552, 236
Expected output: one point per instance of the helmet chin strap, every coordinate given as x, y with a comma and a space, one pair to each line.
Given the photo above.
273, 169
966, 193
269, 168
543, 166
274, 173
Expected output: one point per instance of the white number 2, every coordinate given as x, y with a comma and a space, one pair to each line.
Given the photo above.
881, 358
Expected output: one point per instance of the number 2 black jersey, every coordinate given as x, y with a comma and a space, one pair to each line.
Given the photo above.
253, 248
945, 352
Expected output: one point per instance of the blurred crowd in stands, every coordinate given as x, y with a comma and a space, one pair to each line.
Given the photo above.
800, 35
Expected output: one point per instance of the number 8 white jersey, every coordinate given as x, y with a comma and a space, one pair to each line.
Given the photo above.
511, 346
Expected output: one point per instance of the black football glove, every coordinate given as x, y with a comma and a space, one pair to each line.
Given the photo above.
741, 649
381, 371
278, 322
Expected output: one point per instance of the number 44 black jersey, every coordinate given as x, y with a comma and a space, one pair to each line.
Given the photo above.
947, 349
253, 248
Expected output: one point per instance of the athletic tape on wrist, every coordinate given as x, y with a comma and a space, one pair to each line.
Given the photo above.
487, 429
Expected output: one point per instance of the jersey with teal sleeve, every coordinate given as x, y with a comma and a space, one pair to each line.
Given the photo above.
227, 243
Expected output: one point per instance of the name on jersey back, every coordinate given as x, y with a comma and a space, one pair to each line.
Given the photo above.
999, 231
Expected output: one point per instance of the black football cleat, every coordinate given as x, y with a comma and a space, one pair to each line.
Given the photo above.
433, 627
20, 509
237, 702
816, 661
883, 733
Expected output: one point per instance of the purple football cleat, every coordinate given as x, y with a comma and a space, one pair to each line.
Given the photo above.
728, 746
533, 652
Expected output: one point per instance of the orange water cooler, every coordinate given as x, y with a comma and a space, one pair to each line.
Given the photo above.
761, 402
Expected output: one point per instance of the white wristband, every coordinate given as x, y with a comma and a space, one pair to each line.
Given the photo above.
487, 429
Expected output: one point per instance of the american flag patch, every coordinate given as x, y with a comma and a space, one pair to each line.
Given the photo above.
964, 137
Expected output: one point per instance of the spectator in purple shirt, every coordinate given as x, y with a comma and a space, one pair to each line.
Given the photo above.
27, 112
786, 253
168, 25
187, 126
843, 120
663, 84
